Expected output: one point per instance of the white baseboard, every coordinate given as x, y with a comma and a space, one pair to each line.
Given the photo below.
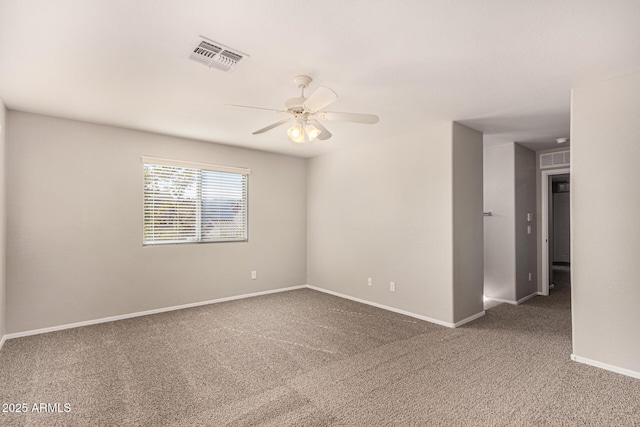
469, 319
232, 298
601, 365
506, 301
397, 310
527, 298
143, 313
518, 302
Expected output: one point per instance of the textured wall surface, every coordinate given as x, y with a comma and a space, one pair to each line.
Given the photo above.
605, 231
74, 244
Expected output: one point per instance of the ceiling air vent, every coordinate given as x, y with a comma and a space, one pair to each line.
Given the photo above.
216, 55
555, 160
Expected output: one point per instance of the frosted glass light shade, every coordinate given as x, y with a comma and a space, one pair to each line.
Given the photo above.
296, 133
312, 132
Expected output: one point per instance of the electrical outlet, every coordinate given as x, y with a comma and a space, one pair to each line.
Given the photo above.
254, 275
530, 276
528, 229
529, 216
370, 281
392, 286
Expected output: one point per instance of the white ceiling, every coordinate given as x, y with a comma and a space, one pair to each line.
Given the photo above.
503, 67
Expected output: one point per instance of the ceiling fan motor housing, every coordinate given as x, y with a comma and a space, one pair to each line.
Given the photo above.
294, 105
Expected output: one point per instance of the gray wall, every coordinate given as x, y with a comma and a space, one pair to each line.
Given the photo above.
525, 202
74, 241
499, 229
3, 219
468, 268
509, 193
605, 205
385, 211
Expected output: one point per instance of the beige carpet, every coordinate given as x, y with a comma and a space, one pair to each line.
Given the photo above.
311, 359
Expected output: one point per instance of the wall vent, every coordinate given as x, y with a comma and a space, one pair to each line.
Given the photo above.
216, 55
555, 160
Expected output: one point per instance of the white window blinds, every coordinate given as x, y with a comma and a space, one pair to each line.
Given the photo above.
193, 202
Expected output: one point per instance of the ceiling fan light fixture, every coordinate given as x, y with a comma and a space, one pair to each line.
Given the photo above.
306, 114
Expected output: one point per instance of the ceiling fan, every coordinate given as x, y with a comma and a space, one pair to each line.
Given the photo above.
307, 112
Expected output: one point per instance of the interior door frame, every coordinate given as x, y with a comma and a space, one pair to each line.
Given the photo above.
544, 194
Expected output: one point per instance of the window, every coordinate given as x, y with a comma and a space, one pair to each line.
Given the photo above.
188, 202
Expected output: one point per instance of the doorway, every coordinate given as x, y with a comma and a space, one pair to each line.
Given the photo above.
556, 252
559, 230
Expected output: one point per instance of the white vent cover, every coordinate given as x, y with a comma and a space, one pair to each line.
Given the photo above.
216, 55
554, 160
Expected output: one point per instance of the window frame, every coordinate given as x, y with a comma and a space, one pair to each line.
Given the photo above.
148, 160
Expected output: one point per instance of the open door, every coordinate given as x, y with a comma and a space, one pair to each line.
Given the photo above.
560, 231
556, 238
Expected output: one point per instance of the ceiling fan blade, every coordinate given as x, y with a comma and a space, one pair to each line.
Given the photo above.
254, 108
271, 126
324, 132
319, 99
368, 119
